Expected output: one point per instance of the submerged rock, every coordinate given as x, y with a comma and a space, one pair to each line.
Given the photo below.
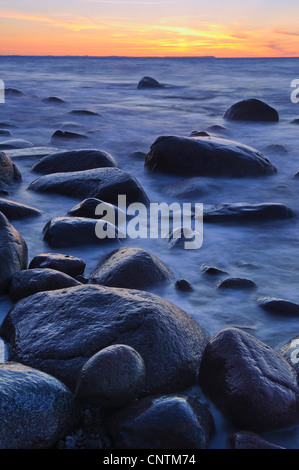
67, 264
74, 231
87, 208
5, 133
251, 110
9, 172
250, 440
54, 99
234, 212
74, 160
149, 82
206, 156
58, 331
101, 183
13, 92
162, 422
15, 144
132, 268
212, 270
276, 305
66, 135
84, 112
183, 285
13, 253
237, 283
112, 377
251, 383
30, 281
36, 410
14, 210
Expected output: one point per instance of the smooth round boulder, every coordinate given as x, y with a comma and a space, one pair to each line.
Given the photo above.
162, 422
253, 385
251, 110
149, 82
235, 212
13, 253
132, 268
62, 232
9, 172
250, 440
280, 306
206, 156
36, 410
101, 183
30, 281
74, 160
67, 264
112, 377
16, 211
236, 283
58, 331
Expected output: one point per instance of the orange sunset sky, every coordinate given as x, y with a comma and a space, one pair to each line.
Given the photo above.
227, 28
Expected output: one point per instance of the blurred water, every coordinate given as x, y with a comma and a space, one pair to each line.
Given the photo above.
198, 93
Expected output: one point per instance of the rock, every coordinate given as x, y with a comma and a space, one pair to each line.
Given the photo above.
66, 135
58, 331
36, 410
183, 285
162, 422
5, 133
149, 82
236, 283
37, 152
290, 351
9, 172
212, 270
112, 377
7, 125
217, 128
199, 134
250, 440
280, 306
13, 253
189, 188
84, 112
14, 210
295, 121
62, 232
180, 237
87, 208
15, 144
206, 156
30, 281
138, 155
240, 211
251, 110
132, 268
54, 99
276, 148
252, 384
74, 160
64, 263
100, 183
13, 92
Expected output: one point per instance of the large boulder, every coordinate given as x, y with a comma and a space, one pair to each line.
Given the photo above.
67, 264
58, 331
30, 281
251, 110
206, 156
9, 172
74, 160
162, 422
36, 410
112, 377
132, 268
101, 183
277, 305
149, 82
15, 210
62, 232
243, 212
13, 253
252, 384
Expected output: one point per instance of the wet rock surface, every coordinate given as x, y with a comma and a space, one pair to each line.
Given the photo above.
67, 264
251, 110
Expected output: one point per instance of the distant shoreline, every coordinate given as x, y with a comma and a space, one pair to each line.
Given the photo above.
145, 57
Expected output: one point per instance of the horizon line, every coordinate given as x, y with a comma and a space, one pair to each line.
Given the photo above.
147, 57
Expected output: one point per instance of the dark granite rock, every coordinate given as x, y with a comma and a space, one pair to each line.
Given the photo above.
162, 422
236, 283
149, 82
213, 271
87, 208
9, 172
13, 253
67, 135
15, 211
11, 144
251, 110
74, 160
280, 306
67, 264
5, 133
183, 285
30, 281
250, 440
13, 92
54, 99
251, 383
84, 112
58, 331
112, 377
36, 410
206, 156
132, 268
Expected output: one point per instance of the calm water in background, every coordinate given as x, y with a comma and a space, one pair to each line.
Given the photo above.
198, 93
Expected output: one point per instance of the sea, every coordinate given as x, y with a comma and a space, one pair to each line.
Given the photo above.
197, 93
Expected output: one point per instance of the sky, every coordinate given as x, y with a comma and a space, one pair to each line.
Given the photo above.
155, 28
